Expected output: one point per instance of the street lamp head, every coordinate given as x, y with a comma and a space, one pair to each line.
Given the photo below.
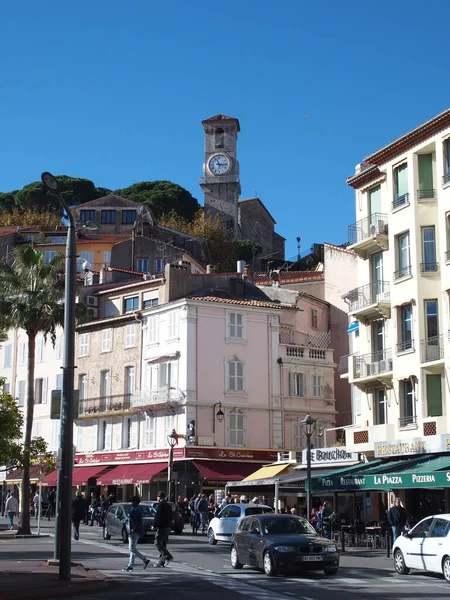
220, 414
309, 423
50, 181
172, 438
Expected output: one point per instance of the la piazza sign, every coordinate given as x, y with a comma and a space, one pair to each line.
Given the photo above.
421, 445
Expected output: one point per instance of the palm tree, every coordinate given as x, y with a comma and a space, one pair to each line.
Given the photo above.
31, 294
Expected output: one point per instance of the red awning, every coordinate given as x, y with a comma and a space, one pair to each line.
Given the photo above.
126, 474
80, 475
225, 471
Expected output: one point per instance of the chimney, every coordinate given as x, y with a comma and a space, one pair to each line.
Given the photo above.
248, 272
240, 266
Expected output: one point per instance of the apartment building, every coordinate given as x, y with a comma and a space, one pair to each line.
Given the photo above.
399, 327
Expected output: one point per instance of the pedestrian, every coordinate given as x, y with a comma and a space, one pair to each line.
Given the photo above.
326, 519
163, 526
11, 509
52, 503
293, 511
397, 518
202, 509
87, 506
95, 507
37, 504
225, 501
313, 518
255, 500
136, 530
77, 514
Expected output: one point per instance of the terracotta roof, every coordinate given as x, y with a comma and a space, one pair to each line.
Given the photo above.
222, 117
109, 199
9, 230
242, 302
93, 239
263, 278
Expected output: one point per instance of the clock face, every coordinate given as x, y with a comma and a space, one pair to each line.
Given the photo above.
219, 164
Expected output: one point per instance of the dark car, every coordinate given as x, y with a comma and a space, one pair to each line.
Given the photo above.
177, 517
116, 521
276, 543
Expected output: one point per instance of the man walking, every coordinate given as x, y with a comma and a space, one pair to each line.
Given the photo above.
136, 529
77, 514
397, 519
11, 509
163, 525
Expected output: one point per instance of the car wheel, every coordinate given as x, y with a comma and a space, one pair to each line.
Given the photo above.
399, 563
446, 568
106, 535
234, 558
211, 537
124, 536
331, 570
269, 567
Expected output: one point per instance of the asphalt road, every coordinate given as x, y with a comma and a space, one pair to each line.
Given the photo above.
201, 571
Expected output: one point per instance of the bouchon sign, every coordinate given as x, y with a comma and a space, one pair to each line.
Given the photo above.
330, 455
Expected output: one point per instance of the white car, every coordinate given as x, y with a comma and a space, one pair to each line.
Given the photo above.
221, 528
425, 547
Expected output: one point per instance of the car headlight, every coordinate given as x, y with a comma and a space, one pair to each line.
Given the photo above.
330, 549
285, 548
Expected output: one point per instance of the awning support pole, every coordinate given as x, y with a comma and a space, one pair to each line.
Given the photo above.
276, 496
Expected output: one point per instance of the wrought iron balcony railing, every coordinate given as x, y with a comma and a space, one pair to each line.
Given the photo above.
426, 195
405, 346
432, 348
447, 255
446, 178
162, 395
403, 272
369, 227
402, 200
343, 365
371, 365
105, 404
366, 295
405, 421
429, 267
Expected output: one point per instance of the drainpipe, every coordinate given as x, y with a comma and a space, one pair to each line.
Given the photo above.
280, 362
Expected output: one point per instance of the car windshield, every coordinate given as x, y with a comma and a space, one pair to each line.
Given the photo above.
289, 526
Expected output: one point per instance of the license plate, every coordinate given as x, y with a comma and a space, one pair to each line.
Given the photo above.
311, 558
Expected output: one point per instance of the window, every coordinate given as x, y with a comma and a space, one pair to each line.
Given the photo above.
36, 429
82, 386
356, 405
149, 431
407, 408
160, 263
105, 384
59, 347
374, 197
58, 381
55, 435
131, 304
6, 387
426, 185
84, 344
299, 436
169, 422
446, 177
172, 324
23, 351
87, 216
380, 407
129, 380
128, 217
236, 325
142, 265
401, 185
378, 340
130, 335
377, 277
127, 433
150, 303
107, 258
107, 340
403, 254
316, 385
431, 321
314, 318
428, 249
103, 435
108, 217
236, 428
422, 529
21, 393
406, 340
86, 257
219, 134
153, 330
40, 349
7, 361
441, 528
297, 384
235, 376
40, 390
434, 395
49, 255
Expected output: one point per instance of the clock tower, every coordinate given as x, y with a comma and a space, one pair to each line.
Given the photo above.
220, 181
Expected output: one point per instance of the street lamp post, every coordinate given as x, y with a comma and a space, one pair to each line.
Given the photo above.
62, 550
172, 440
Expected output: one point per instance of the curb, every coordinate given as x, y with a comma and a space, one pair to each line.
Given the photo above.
63, 589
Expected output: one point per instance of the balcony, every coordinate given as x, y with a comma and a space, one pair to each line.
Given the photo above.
162, 396
343, 365
429, 268
426, 195
102, 405
370, 368
370, 301
432, 349
407, 345
407, 421
446, 178
316, 339
399, 201
369, 235
403, 272
303, 353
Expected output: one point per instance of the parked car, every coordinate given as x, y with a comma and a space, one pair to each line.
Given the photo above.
221, 528
426, 547
116, 520
276, 543
177, 517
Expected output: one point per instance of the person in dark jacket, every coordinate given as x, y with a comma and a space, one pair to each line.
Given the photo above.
397, 518
163, 526
78, 508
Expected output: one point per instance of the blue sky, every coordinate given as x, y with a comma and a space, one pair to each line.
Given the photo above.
116, 91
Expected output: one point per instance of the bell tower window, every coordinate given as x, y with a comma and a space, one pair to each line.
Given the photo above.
219, 138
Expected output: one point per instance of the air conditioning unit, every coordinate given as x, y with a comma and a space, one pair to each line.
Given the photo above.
373, 229
389, 368
383, 366
378, 228
205, 441
92, 300
375, 368
93, 312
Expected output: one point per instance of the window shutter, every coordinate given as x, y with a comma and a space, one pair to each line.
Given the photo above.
80, 436
94, 441
134, 433
44, 390
232, 325
117, 433
291, 384
231, 376
108, 438
59, 382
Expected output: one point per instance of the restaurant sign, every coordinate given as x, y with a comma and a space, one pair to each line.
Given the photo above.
321, 456
383, 482
431, 444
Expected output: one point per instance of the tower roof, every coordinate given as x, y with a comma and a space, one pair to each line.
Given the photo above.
221, 117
